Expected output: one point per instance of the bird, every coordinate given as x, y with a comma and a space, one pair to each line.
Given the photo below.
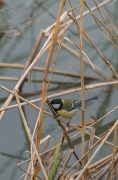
67, 108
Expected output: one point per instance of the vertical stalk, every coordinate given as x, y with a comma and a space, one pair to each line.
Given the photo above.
114, 152
44, 88
82, 75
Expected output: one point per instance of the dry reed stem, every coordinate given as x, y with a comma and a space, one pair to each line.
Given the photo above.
99, 139
26, 101
104, 33
97, 150
32, 168
31, 162
5, 105
48, 150
80, 32
68, 177
51, 27
35, 68
88, 133
100, 163
60, 160
51, 49
82, 79
106, 169
100, 167
97, 69
97, 20
49, 154
10, 97
115, 38
23, 162
43, 49
88, 87
111, 19
45, 146
29, 170
104, 116
33, 154
70, 22
89, 147
65, 163
27, 173
54, 147
97, 173
86, 125
50, 163
49, 166
72, 42
32, 55
57, 53
91, 11
106, 62
88, 152
114, 152
40, 81
96, 48
29, 134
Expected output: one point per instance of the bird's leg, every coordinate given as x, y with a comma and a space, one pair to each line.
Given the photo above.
68, 122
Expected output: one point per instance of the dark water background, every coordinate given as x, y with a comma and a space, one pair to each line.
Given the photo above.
28, 18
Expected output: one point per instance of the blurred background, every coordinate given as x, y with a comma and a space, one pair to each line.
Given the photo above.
20, 25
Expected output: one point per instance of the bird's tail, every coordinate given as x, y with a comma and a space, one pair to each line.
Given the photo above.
79, 104
91, 99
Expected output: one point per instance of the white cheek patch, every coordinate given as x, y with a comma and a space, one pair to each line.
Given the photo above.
56, 106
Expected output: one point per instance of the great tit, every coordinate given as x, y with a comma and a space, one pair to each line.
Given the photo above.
68, 108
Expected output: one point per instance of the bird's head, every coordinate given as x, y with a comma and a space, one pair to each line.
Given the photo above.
57, 104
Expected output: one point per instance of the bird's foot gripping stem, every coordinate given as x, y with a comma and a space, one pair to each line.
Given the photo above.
68, 122
56, 116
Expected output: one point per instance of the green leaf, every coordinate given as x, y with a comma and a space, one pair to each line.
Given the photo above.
55, 163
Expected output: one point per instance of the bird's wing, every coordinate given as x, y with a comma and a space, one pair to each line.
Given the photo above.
76, 105
68, 109
79, 104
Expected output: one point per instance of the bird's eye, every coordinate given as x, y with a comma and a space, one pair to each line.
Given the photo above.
56, 106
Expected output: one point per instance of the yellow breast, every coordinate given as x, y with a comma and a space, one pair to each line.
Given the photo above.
66, 114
